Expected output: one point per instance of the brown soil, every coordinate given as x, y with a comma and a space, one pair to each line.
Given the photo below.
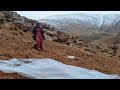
11, 76
19, 44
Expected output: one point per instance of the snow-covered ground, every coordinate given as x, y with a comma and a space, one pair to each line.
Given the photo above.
50, 69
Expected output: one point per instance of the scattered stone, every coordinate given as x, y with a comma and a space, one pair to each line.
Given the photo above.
71, 57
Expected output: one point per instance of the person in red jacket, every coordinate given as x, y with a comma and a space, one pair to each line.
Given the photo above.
38, 36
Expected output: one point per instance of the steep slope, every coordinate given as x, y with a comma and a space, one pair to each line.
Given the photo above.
21, 46
60, 52
17, 42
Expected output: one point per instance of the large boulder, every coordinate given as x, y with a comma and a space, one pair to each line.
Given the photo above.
18, 21
51, 33
54, 38
47, 37
2, 19
69, 41
62, 37
10, 16
7, 14
78, 41
16, 16
1, 15
7, 25
28, 21
26, 28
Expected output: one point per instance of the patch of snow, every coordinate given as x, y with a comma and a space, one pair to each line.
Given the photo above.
50, 69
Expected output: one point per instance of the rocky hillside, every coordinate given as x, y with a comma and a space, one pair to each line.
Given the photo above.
17, 42
14, 21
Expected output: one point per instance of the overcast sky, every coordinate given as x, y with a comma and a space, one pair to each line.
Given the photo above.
42, 14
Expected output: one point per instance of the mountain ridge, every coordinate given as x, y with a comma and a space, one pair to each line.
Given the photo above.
105, 22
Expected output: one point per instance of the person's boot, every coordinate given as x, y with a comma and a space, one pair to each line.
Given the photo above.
41, 49
38, 49
35, 46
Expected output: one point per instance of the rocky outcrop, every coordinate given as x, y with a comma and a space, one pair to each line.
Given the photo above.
61, 37
10, 16
14, 21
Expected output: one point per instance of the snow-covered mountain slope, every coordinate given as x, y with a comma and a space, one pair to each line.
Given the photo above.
84, 21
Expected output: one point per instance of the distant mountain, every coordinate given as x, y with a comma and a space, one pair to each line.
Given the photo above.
87, 22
